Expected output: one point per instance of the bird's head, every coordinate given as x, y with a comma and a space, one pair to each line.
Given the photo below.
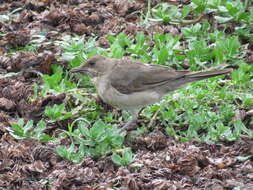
95, 66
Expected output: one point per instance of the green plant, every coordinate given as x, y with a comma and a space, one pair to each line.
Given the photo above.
243, 75
123, 160
164, 48
195, 31
119, 44
100, 139
97, 141
20, 130
76, 50
140, 48
71, 153
57, 112
224, 11
57, 82
165, 12
227, 49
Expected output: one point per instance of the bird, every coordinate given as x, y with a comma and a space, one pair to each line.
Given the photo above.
131, 85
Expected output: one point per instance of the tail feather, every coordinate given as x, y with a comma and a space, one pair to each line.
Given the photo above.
207, 74
189, 77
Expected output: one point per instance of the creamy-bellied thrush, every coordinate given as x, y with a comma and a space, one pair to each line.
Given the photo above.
132, 85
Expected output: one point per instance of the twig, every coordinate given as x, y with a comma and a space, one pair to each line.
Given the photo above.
153, 119
188, 22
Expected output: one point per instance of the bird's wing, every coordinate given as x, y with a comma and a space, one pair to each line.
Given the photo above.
135, 77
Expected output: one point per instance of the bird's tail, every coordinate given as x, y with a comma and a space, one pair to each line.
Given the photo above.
191, 77
194, 76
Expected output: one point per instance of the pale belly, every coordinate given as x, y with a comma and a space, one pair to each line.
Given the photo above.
126, 101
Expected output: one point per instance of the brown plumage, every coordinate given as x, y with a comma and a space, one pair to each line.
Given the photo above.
131, 85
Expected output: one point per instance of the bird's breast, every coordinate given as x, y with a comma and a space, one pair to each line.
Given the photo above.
125, 101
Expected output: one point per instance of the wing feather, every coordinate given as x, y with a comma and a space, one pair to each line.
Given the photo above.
135, 77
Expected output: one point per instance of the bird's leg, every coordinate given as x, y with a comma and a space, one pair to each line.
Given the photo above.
133, 119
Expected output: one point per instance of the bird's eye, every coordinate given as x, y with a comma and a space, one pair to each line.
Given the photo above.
91, 63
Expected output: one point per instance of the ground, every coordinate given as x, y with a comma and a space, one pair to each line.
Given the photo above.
41, 40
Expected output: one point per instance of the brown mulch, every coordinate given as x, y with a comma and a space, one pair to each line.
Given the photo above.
28, 164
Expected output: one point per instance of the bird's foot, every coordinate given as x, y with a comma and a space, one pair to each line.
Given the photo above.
129, 128
130, 125
133, 120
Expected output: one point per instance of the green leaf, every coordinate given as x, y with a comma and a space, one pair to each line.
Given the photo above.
17, 127
201, 5
28, 126
116, 159
71, 148
166, 19
21, 122
118, 140
84, 131
89, 142
111, 38
170, 131
67, 115
16, 135
45, 138
140, 39
123, 40
56, 112
128, 157
41, 126
83, 150
186, 10
97, 129
221, 19
163, 55
62, 151
68, 56
222, 9
244, 158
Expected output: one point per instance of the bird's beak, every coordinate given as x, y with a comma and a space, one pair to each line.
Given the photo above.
75, 70
86, 71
